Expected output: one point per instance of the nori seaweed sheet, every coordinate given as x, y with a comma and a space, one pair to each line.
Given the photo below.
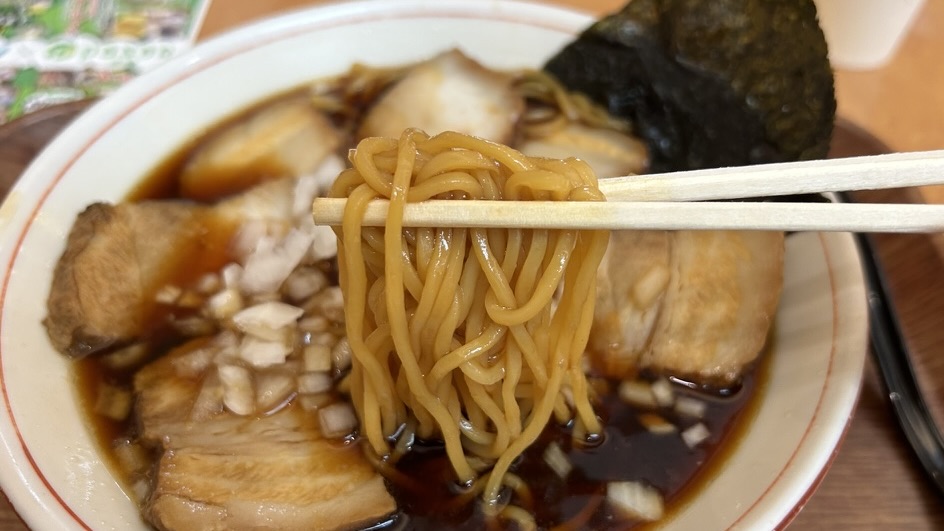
710, 83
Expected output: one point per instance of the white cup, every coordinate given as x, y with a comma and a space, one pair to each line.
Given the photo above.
864, 34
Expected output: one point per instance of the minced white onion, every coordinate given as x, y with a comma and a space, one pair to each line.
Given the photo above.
324, 244
314, 382
317, 358
273, 389
224, 304
304, 283
695, 435
555, 458
113, 402
663, 393
330, 303
636, 500
337, 420
637, 393
131, 456
167, 294
262, 353
306, 188
267, 319
237, 389
266, 269
687, 406
232, 273
126, 358
656, 424
314, 402
341, 354
324, 338
208, 283
313, 324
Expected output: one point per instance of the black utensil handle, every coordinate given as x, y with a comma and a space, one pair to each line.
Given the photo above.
891, 355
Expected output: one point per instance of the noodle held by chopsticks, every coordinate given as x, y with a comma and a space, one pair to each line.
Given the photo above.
472, 336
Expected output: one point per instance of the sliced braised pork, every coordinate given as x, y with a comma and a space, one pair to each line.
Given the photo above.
694, 304
288, 139
115, 259
610, 153
225, 471
447, 93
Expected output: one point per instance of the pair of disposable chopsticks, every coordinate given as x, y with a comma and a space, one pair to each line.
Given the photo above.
672, 201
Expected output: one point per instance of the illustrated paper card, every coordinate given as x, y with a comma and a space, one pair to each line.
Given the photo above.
55, 51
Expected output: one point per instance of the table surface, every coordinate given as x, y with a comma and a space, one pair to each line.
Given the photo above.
874, 482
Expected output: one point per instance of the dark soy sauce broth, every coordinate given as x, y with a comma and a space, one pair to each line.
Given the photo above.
627, 452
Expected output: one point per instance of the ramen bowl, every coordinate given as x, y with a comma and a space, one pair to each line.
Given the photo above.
50, 466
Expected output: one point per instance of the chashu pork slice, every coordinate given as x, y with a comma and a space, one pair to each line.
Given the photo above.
118, 256
287, 139
447, 93
692, 304
229, 472
610, 153
115, 256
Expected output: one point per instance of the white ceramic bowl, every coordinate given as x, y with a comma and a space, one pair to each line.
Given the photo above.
49, 466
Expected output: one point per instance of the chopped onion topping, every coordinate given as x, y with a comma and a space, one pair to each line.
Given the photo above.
262, 353
695, 435
637, 393
324, 243
687, 406
267, 269
225, 304
325, 338
656, 424
557, 460
141, 490
635, 500
341, 355
273, 390
113, 402
314, 324
306, 188
329, 303
266, 320
232, 273
305, 282
237, 389
314, 382
126, 358
131, 457
168, 294
190, 299
314, 402
337, 420
663, 393
317, 358
209, 283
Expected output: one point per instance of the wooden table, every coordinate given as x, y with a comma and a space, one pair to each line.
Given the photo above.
874, 482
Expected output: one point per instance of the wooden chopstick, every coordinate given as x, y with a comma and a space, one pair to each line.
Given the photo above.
657, 201
895, 170
857, 217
